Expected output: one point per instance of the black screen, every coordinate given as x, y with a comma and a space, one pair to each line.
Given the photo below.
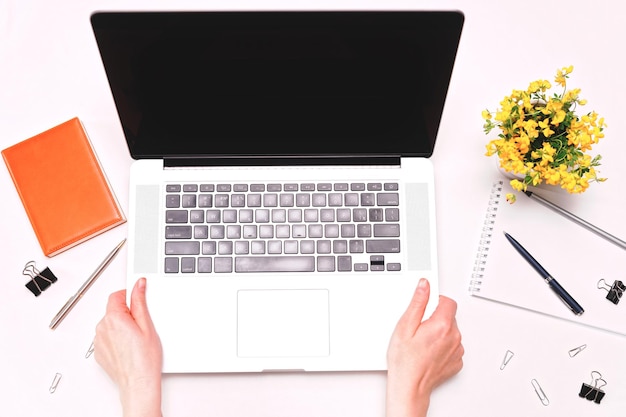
279, 83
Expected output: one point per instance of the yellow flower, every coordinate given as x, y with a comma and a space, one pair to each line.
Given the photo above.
542, 139
562, 74
545, 128
510, 197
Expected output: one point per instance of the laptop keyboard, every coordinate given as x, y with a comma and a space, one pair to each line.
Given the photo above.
282, 227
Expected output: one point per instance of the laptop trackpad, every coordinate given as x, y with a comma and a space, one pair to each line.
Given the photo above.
282, 323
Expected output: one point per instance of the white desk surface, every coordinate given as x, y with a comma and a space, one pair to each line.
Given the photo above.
50, 71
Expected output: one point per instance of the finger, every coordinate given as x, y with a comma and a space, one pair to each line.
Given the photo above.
117, 302
139, 306
412, 317
447, 307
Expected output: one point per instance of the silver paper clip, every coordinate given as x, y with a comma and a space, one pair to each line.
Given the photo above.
576, 350
507, 357
89, 351
55, 382
542, 395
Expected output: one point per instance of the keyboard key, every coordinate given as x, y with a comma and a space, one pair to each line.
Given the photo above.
249, 231
357, 186
189, 200
318, 200
340, 246
209, 247
224, 188
275, 263
229, 216
335, 199
291, 247
221, 200
207, 188
171, 265
344, 263
233, 231
286, 200
190, 188
173, 188
388, 199
347, 230
356, 246
257, 247
324, 186
270, 200
387, 230
368, 199
266, 231
213, 216
392, 214
205, 200
376, 214
275, 247
326, 263
307, 246
274, 187
217, 231
254, 200
204, 265
303, 200
291, 187
238, 200
246, 216
393, 266
374, 186
262, 215
182, 248
283, 231
391, 186
240, 188
241, 247
178, 232
324, 246
364, 230
225, 247
351, 199
257, 188
201, 232
331, 231
223, 264
307, 187
382, 246
196, 216
361, 267
187, 265
172, 201
176, 216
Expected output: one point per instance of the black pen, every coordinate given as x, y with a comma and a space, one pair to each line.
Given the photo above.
554, 285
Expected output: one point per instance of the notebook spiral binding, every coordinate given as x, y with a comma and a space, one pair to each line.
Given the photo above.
485, 237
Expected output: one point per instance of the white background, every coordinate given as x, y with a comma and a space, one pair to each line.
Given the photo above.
50, 71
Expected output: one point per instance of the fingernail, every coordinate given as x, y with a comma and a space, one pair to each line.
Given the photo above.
422, 283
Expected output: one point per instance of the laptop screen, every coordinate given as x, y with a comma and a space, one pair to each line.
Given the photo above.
222, 84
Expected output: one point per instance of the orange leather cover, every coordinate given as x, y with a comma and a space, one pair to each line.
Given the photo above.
62, 187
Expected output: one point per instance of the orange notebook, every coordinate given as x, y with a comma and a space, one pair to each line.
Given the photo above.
62, 187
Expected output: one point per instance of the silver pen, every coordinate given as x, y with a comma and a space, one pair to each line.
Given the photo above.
83, 289
616, 241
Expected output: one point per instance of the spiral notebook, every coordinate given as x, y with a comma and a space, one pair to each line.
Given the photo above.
575, 257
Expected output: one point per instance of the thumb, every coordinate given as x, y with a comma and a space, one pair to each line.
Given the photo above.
412, 317
139, 306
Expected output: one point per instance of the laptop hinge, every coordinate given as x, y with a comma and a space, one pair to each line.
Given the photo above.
281, 161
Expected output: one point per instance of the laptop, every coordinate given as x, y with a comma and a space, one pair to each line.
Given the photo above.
282, 200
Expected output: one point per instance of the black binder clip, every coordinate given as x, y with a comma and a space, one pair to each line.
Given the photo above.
615, 291
592, 392
39, 280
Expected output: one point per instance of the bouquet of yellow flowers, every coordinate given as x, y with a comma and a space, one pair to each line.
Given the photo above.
542, 139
